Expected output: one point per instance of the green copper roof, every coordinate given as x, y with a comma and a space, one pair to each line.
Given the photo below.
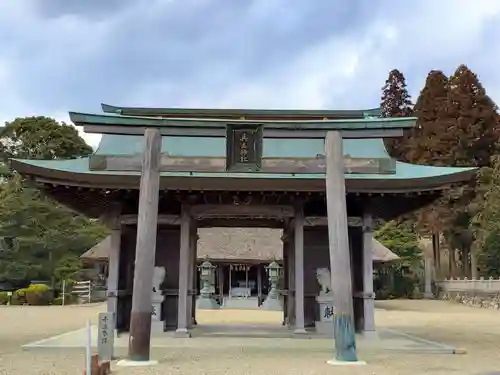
200, 112
210, 147
82, 119
403, 171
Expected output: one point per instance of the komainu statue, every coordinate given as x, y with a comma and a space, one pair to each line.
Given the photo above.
324, 280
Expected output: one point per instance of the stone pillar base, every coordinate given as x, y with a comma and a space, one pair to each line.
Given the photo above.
182, 333
428, 296
299, 332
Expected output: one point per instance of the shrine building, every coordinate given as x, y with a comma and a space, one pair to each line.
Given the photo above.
240, 256
238, 168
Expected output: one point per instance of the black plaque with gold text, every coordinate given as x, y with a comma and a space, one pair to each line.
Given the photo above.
244, 148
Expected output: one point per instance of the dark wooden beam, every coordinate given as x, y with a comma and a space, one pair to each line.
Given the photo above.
255, 211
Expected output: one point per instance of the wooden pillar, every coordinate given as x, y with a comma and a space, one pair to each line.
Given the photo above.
221, 269
340, 263
140, 318
113, 271
184, 266
194, 270
299, 270
230, 280
291, 277
246, 276
368, 294
259, 284
192, 263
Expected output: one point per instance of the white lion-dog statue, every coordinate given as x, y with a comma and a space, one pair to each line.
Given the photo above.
158, 277
324, 280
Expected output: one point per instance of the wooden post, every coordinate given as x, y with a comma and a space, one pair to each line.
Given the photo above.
194, 249
192, 263
230, 280
140, 318
299, 270
113, 271
340, 263
221, 283
259, 284
291, 281
368, 294
182, 309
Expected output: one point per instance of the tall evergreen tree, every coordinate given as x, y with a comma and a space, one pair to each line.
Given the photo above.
473, 118
396, 102
424, 145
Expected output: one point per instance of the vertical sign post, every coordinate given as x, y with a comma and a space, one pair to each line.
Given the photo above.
105, 336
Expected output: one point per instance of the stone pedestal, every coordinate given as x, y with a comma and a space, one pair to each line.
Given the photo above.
326, 310
207, 302
272, 302
157, 326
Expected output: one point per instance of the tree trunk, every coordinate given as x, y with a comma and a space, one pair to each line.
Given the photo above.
437, 256
473, 263
452, 261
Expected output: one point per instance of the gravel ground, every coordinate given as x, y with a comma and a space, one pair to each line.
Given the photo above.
476, 330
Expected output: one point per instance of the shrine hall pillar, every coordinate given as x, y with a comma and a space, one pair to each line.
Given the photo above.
114, 268
368, 294
298, 257
184, 275
193, 271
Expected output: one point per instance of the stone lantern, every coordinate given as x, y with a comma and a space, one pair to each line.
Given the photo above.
206, 298
273, 300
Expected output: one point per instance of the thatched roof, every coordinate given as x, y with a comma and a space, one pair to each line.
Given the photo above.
238, 244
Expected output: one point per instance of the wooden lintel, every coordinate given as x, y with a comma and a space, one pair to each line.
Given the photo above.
162, 219
315, 165
241, 210
238, 221
312, 221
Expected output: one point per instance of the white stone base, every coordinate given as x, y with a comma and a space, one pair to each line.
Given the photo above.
157, 327
334, 362
428, 296
324, 328
182, 333
129, 363
370, 335
299, 331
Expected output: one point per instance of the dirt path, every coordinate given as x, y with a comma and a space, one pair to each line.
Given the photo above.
477, 330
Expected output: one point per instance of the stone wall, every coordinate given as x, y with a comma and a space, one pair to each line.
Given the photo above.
482, 293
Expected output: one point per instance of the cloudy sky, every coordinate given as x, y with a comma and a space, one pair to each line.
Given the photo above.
61, 55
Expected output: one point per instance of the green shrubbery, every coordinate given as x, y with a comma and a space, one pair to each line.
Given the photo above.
35, 295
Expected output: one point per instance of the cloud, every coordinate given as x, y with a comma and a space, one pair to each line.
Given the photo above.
61, 55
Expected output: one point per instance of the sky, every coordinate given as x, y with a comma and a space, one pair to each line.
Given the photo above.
71, 55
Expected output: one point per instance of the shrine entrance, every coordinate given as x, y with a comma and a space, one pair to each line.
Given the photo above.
244, 269
160, 175
241, 257
241, 266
